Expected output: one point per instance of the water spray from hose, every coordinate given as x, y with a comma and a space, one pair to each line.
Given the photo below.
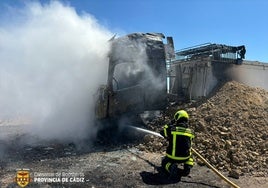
195, 152
146, 131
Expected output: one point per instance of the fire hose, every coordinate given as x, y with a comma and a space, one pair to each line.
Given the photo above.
196, 153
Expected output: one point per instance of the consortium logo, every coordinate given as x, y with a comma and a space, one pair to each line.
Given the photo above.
23, 177
58, 177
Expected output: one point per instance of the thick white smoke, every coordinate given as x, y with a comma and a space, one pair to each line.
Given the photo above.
136, 69
52, 61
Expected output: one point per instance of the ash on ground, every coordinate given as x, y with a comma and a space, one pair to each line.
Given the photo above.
230, 129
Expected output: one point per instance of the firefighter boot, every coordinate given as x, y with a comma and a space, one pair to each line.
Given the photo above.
174, 172
186, 170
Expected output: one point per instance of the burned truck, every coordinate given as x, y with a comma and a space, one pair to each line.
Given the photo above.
137, 78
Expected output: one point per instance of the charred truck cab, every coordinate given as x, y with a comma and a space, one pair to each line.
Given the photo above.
137, 79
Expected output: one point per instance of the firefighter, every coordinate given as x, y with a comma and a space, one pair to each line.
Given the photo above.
178, 151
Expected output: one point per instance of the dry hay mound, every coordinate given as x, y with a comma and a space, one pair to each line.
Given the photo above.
230, 128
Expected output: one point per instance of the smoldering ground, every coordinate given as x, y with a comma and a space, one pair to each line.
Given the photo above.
52, 62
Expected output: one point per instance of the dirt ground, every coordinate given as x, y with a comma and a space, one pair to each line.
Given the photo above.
231, 133
112, 165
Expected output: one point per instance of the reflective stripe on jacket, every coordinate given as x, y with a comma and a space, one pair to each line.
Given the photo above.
180, 142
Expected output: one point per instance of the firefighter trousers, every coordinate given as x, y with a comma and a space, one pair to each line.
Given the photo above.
170, 166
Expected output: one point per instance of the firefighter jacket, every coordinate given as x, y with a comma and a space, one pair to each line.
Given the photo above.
180, 141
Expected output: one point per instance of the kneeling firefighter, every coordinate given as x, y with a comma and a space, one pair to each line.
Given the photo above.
178, 151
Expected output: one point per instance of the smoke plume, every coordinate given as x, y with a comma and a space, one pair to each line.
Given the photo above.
136, 69
137, 73
52, 61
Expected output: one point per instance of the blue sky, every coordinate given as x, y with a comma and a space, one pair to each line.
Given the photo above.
189, 22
